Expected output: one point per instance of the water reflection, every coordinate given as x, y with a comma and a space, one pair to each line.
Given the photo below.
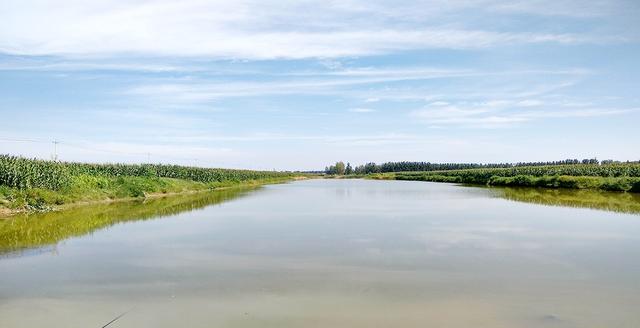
45, 229
341, 253
600, 200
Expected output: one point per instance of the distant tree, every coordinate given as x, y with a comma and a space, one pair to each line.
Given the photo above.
331, 169
428, 166
590, 161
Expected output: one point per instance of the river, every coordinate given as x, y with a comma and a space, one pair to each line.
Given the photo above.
329, 253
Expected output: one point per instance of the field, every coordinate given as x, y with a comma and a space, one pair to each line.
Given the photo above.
610, 177
29, 184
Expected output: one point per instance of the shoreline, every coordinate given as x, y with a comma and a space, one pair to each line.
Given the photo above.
8, 213
623, 184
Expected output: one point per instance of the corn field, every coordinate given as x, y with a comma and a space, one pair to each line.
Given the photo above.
629, 171
26, 173
593, 170
609, 177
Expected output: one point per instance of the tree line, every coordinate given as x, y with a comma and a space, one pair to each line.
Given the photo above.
340, 168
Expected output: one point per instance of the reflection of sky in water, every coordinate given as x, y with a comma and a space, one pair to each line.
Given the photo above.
347, 253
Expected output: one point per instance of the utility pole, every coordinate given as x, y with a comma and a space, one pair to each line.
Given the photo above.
55, 149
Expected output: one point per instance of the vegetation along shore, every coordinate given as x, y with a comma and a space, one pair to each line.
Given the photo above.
40, 185
572, 174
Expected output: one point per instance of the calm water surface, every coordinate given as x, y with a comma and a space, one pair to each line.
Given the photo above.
329, 253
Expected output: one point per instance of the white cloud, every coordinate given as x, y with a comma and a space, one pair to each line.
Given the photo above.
529, 103
439, 103
340, 82
333, 140
476, 116
361, 110
49, 64
309, 84
582, 112
572, 8
504, 113
239, 29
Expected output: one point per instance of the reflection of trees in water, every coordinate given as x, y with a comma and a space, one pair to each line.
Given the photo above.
37, 230
601, 200
46, 229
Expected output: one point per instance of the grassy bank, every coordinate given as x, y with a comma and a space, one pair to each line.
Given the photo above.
38, 185
609, 177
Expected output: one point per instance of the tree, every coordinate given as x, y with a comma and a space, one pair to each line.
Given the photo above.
348, 170
340, 168
330, 169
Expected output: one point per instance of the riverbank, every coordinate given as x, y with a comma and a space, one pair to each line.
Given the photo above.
31, 185
613, 178
608, 177
15, 201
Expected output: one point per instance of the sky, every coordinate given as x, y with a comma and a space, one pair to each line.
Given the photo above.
297, 85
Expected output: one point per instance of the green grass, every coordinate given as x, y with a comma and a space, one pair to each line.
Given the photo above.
609, 177
86, 188
38, 185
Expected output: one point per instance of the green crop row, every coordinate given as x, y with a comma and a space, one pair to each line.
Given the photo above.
593, 170
26, 173
614, 177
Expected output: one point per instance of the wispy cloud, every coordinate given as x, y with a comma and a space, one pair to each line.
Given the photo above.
332, 140
505, 113
291, 45
313, 84
230, 29
571, 8
84, 65
340, 82
361, 110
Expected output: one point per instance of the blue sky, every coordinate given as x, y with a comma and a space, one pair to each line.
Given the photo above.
300, 84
